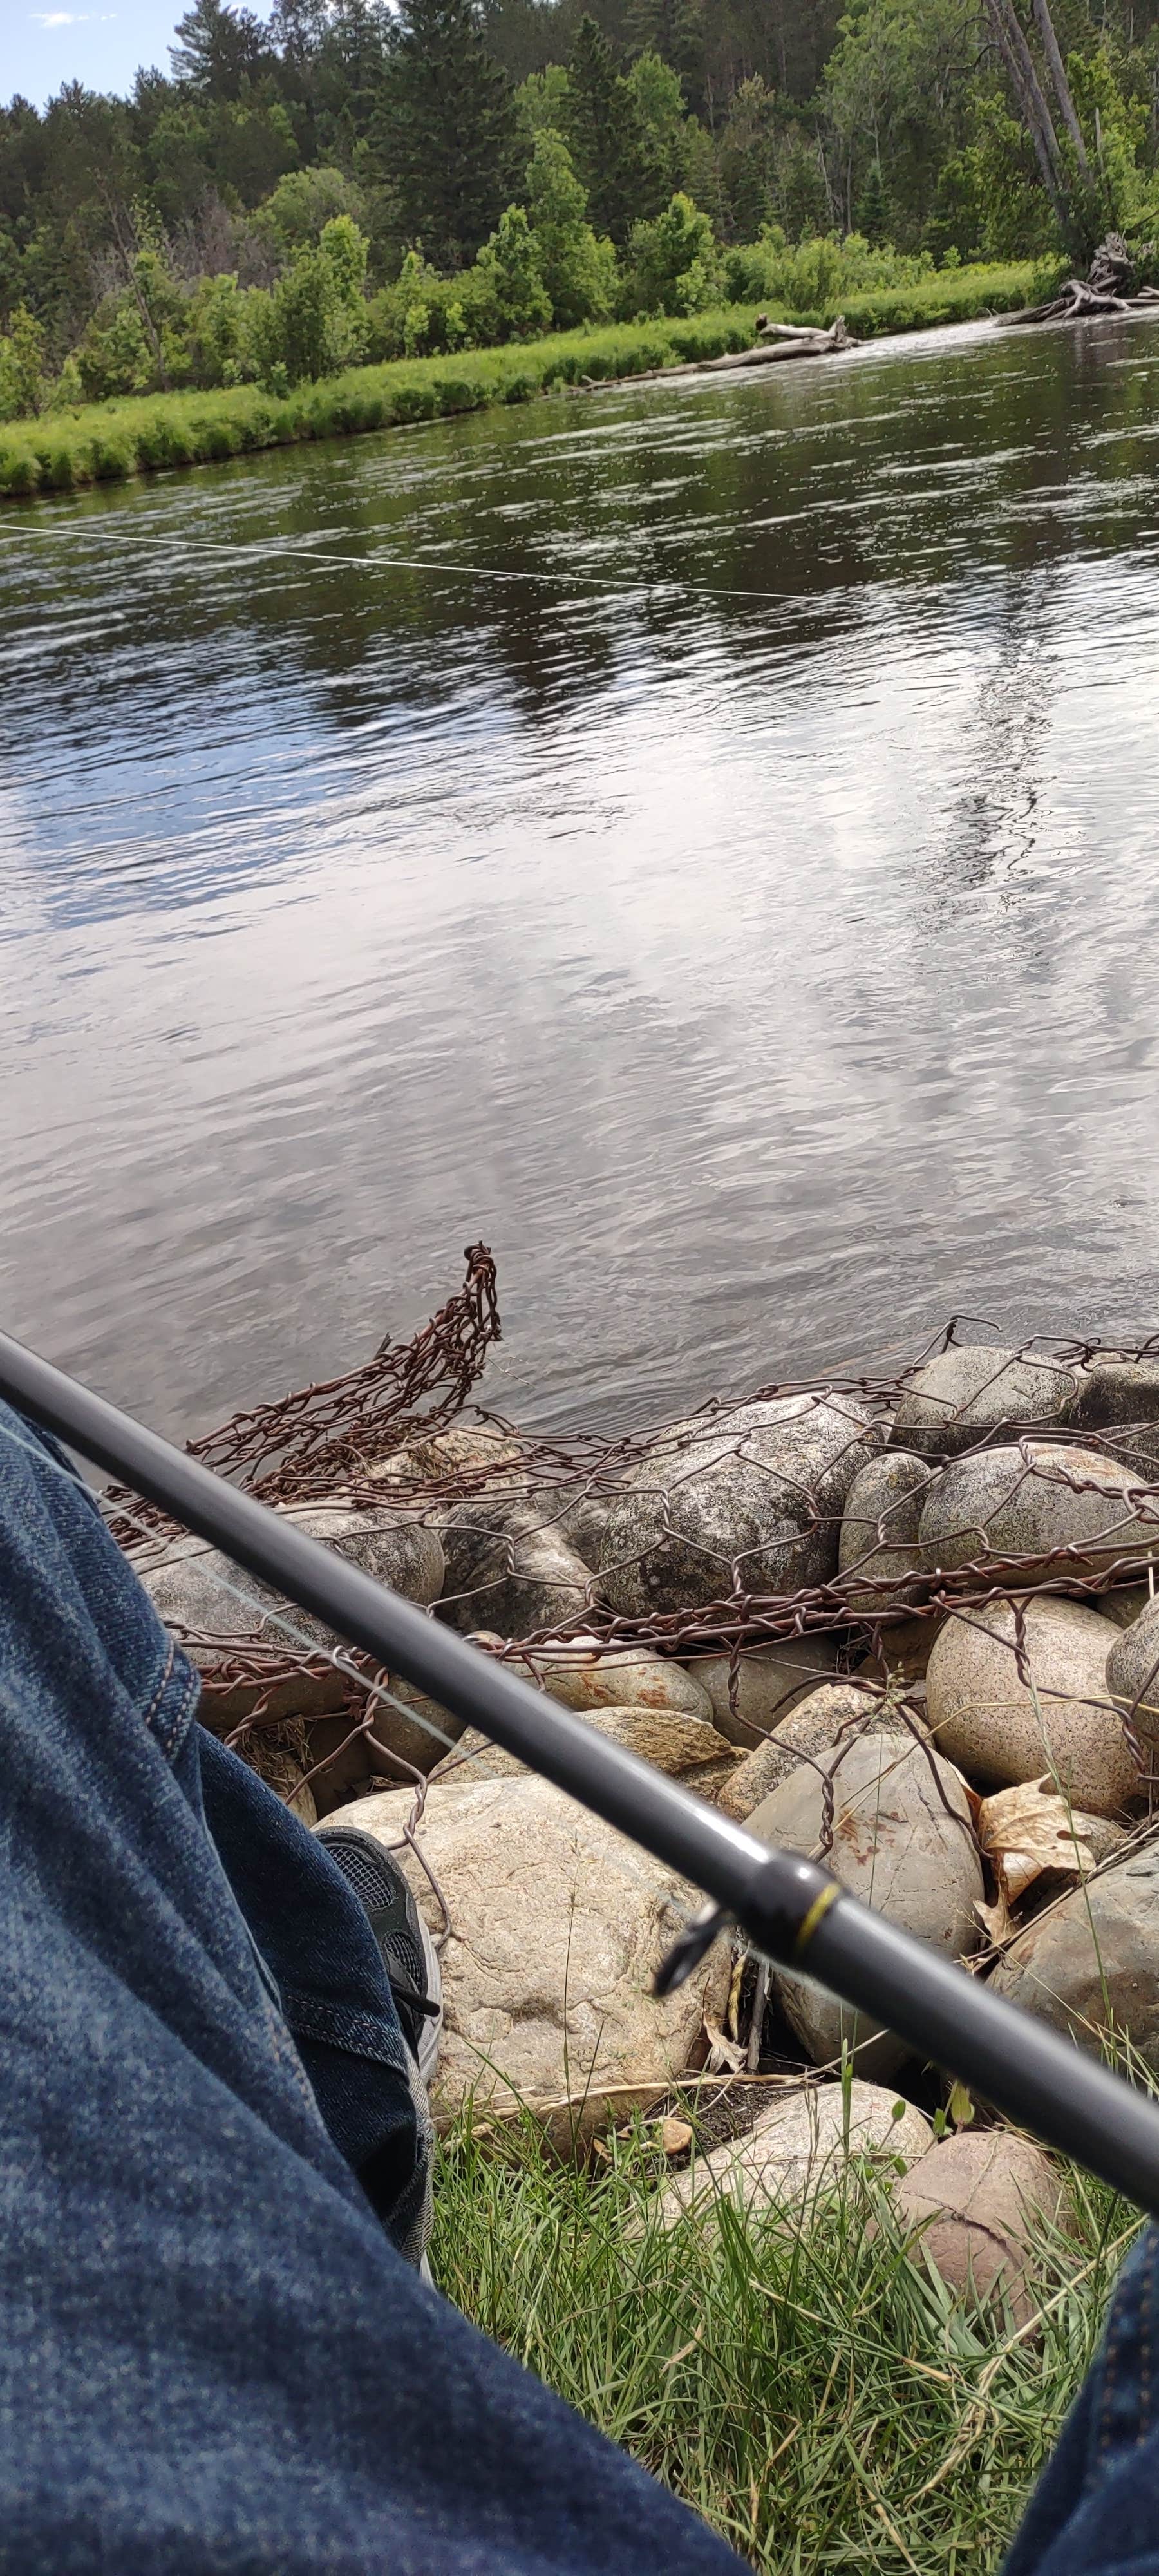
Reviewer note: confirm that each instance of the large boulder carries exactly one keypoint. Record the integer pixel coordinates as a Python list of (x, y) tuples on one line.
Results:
[(1000, 1727), (814, 1727), (200, 1592), (509, 1568), (976, 2202), (752, 1502), (558, 1924), (880, 1556), (1133, 1673), (969, 1392), (686, 1748), (903, 1841), (1091, 1965), (1038, 1512), (799, 2146), (1119, 1398), (768, 1682)]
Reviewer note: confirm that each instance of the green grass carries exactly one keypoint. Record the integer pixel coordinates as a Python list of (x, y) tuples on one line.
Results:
[(108, 442), (809, 2388)]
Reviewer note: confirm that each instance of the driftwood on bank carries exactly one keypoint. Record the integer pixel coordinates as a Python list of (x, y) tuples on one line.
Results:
[(779, 340), (1108, 289)]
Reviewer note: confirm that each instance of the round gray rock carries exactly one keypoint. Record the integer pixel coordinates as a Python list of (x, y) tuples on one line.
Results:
[(1133, 1673), (811, 1729), (976, 2202), (197, 1589), (584, 1676), (973, 1390), (1000, 1728), (767, 1684), (1089, 1966), (880, 1557), (1039, 1511), (800, 2147), (509, 1568), (558, 1926), (1120, 1399), (753, 1502), (903, 1841)]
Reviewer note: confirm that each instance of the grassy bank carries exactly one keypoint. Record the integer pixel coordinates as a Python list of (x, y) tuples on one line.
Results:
[(813, 2393), (108, 442)]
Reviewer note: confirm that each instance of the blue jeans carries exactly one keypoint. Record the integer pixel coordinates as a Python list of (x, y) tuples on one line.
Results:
[(213, 2355), (215, 2359)]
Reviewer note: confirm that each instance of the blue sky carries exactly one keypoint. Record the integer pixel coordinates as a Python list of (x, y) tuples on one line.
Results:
[(99, 42)]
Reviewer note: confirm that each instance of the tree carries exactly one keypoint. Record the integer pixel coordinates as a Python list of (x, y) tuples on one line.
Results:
[(218, 48), (509, 300), (444, 134), (871, 218), (23, 383), (315, 321), (673, 29), (674, 263), (606, 137), (665, 127), (578, 272)]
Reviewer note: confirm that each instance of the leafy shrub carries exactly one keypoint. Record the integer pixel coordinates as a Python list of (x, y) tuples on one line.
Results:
[(504, 294), (673, 265), (314, 322), (578, 271)]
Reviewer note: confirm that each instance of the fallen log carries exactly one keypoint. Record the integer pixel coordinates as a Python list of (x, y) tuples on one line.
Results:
[(790, 341), (1106, 290)]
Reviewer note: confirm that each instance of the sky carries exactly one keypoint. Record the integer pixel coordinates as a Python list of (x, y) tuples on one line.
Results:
[(88, 41)]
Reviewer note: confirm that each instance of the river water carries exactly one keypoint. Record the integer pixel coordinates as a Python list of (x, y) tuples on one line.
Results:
[(702, 839)]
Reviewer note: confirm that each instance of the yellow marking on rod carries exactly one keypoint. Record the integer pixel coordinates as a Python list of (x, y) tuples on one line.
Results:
[(816, 1914)]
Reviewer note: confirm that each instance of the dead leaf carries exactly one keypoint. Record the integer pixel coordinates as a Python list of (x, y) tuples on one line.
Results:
[(723, 2054), (674, 2136), (997, 1921), (1027, 1829)]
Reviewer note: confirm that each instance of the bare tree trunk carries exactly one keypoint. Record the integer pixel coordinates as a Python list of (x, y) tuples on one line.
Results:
[(1036, 116), (1057, 69)]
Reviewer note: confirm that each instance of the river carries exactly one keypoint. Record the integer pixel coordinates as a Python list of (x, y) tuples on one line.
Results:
[(703, 839)]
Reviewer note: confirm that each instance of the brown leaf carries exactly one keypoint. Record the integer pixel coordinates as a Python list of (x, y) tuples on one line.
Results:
[(723, 2053), (996, 1920), (674, 2135), (1027, 1829)]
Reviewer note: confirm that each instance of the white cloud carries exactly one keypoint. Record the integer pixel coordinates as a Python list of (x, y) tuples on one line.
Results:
[(58, 18)]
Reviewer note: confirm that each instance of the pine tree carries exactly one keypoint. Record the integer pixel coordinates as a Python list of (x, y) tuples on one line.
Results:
[(871, 214), (217, 48), (606, 137), (444, 132), (674, 29)]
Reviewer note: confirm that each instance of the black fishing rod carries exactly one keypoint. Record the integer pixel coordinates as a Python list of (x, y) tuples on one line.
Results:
[(790, 1908)]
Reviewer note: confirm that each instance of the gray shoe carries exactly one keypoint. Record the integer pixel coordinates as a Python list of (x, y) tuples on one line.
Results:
[(408, 1952)]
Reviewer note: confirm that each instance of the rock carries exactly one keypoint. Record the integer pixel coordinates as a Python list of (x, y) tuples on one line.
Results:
[(978, 2199), (581, 1675), (973, 1390), (1102, 1839), (768, 1683), (999, 1729), (1120, 1398), (903, 1841), (509, 1570), (879, 1555), (799, 2146), (752, 1501), (815, 1726), (1125, 1604), (1038, 1512), (194, 1587), (558, 1926), (904, 1651), (485, 1450), (1089, 1966), (580, 1516), (686, 1748), (1133, 1673)]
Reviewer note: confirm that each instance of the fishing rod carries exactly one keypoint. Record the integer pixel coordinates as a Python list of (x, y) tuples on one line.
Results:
[(792, 1910)]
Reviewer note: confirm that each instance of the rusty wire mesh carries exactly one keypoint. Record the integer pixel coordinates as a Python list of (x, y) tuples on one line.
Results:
[(718, 1535)]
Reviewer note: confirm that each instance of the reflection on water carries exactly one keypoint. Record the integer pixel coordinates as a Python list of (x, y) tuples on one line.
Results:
[(702, 840)]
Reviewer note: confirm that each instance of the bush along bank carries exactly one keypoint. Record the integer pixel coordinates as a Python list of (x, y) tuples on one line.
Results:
[(108, 442)]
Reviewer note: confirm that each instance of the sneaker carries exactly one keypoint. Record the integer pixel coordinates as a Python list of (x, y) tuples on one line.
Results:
[(408, 1952)]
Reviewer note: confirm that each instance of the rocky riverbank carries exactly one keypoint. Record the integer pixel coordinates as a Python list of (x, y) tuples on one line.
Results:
[(910, 1628)]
